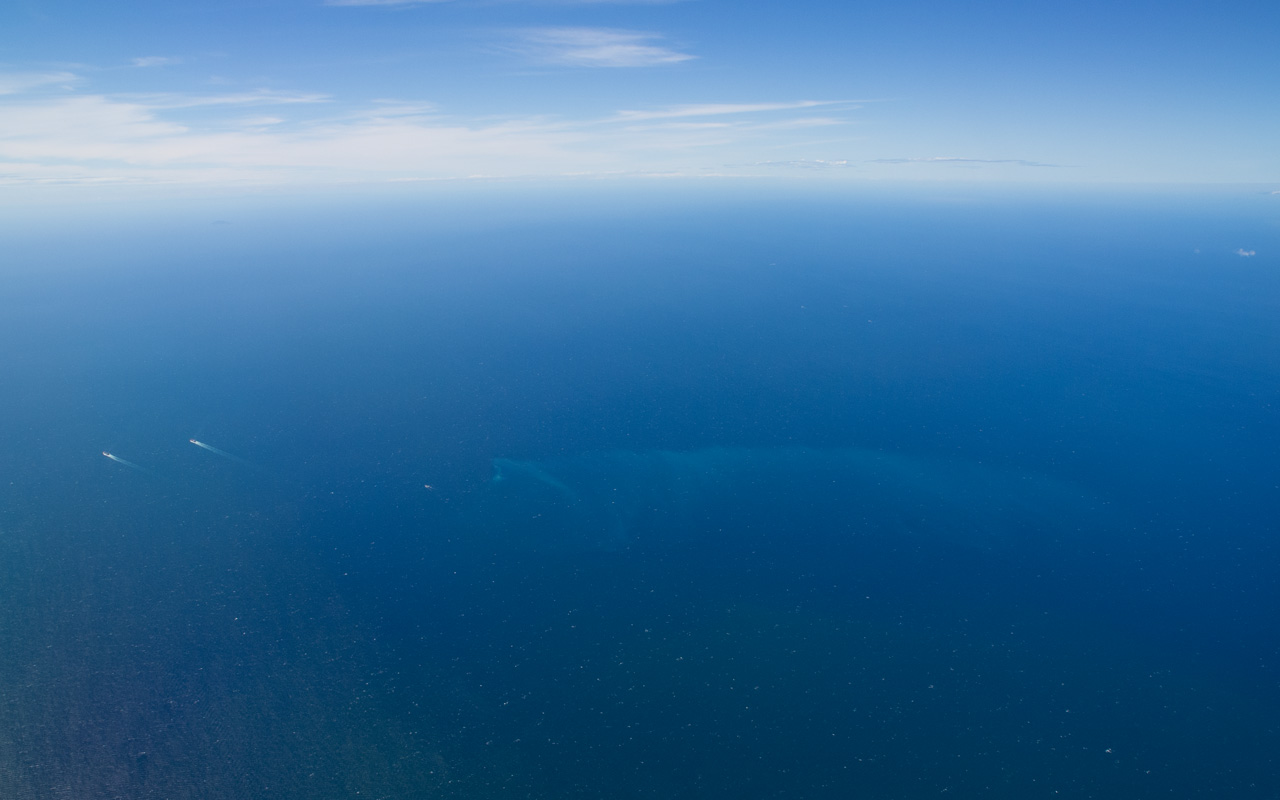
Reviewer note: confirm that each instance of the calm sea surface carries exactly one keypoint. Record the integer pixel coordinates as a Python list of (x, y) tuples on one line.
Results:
[(672, 493)]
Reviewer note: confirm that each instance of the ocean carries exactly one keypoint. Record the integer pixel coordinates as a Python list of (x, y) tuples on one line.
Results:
[(674, 490)]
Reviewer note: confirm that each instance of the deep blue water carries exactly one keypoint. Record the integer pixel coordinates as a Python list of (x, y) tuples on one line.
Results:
[(885, 494)]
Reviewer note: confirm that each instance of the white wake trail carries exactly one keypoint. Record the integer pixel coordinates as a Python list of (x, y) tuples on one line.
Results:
[(216, 451), (129, 464)]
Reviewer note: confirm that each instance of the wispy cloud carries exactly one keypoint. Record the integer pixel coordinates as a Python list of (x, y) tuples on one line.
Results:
[(260, 122), (16, 82), (597, 47), (97, 139), (953, 160), (260, 97), (805, 163), (153, 61), (716, 109), (1246, 253), (272, 137)]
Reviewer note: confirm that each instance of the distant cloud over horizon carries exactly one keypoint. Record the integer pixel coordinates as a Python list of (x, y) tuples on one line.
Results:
[(272, 137), (673, 85)]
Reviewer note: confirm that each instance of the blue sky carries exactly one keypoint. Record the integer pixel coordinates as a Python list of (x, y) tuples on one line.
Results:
[(300, 92)]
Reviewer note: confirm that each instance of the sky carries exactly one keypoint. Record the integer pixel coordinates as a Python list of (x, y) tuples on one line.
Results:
[(316, 93)]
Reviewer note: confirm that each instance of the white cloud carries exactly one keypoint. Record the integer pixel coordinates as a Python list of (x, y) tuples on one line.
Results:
[(109, 138), (714, 109), (261, 97), (260, 122), (16, 82), (1246, 253), (597, 47), (95, 138), (153, 61), (78, 127), (804, 163)]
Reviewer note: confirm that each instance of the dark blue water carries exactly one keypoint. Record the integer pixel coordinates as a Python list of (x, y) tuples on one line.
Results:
[(885, 494)]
